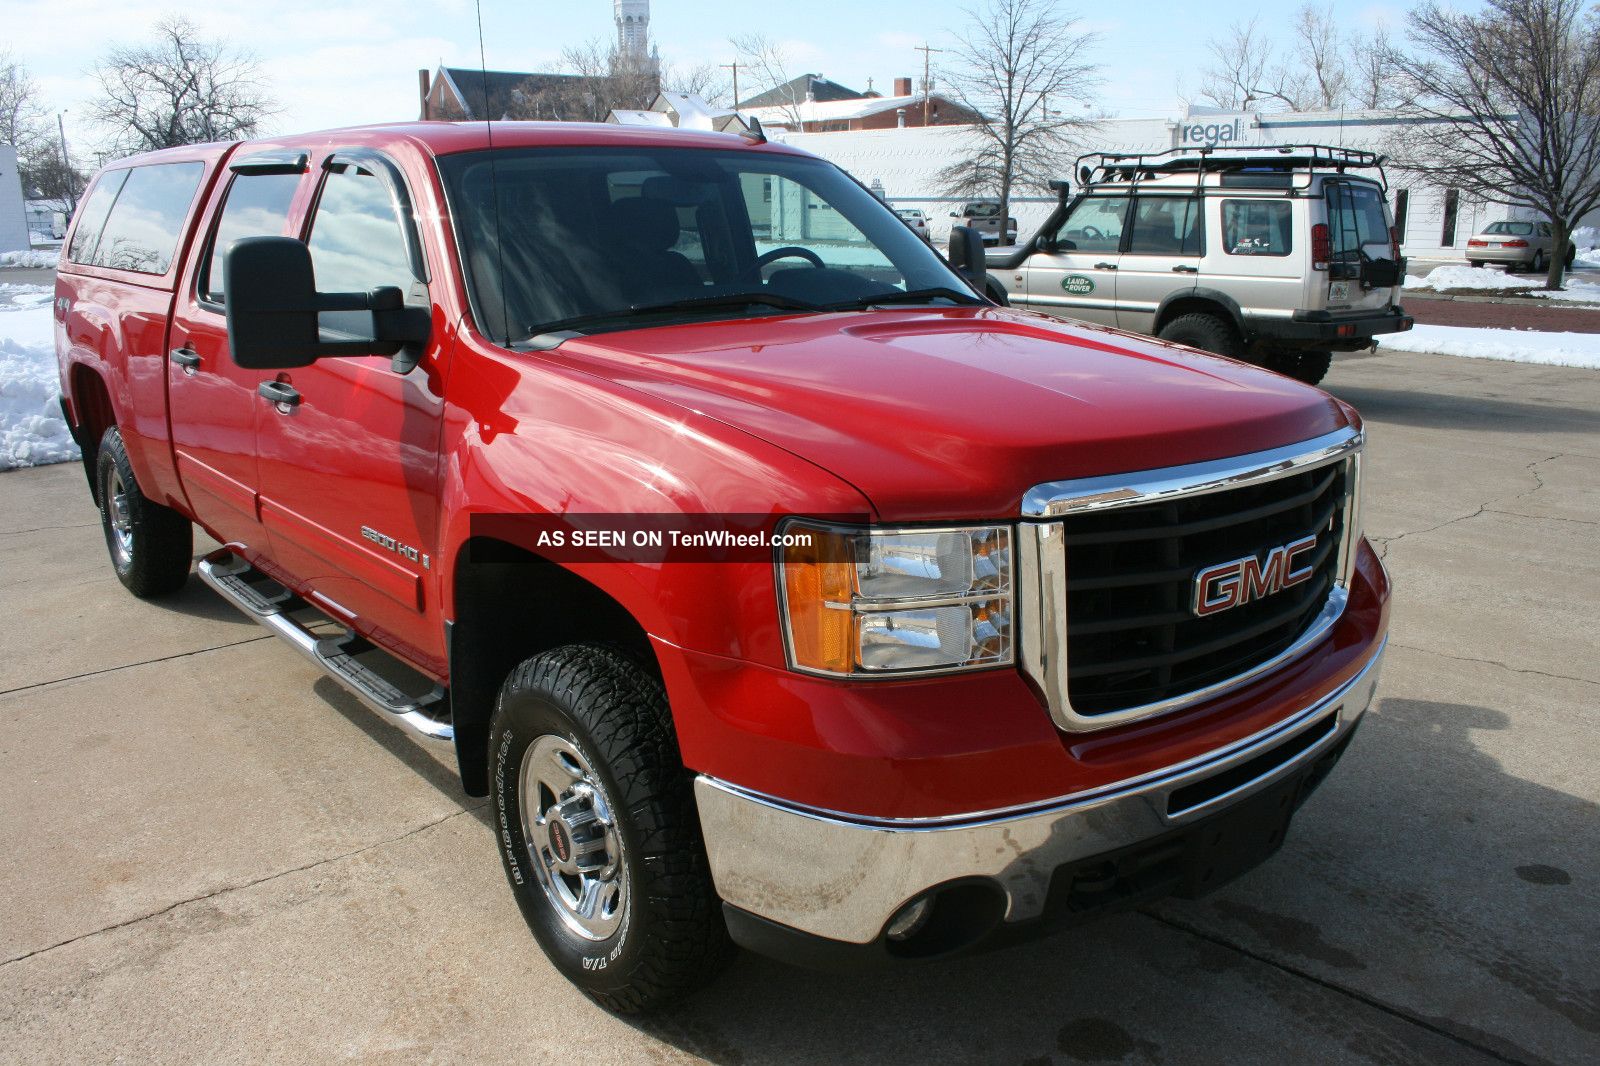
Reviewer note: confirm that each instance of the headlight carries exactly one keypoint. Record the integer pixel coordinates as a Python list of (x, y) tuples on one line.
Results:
[(869, 602)]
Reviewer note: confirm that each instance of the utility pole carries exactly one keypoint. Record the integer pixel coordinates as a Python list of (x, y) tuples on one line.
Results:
[(66, 165), (927, 82), (734, 66)]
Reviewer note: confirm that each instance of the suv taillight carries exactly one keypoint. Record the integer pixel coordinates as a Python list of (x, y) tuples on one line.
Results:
[(1321, 246)]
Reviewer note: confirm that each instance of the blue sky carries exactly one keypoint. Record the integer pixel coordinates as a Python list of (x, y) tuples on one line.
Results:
[(332, 63)]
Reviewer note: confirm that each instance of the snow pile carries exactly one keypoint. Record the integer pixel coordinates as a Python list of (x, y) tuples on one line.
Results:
[(1454, 278), (1510, 345), (1577, 291), (32, 431), (35, 260)]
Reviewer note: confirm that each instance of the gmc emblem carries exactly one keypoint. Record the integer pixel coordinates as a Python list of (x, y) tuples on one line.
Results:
[(1242, 581)]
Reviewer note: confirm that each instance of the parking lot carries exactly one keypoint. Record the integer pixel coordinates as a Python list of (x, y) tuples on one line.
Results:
[(213, 855)]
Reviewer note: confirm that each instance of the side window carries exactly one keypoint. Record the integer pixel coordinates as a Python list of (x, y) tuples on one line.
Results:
[(257, 206), (1095, 225), (1402, 201), (1165, 225), (147, 219), (357, 242), (1447, 231), (92, 216), (1256, 227)]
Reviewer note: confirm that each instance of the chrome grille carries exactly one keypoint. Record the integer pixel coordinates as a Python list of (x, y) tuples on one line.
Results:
[(1107, 570)]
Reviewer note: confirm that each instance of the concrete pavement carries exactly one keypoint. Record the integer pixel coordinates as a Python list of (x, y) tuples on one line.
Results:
[(213, 856)]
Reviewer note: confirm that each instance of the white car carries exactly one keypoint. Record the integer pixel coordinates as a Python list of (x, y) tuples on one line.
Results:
[(1278, 256), (917, 219)]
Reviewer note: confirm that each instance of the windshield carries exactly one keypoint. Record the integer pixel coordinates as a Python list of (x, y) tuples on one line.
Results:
[(599, 238), (1515, 229)]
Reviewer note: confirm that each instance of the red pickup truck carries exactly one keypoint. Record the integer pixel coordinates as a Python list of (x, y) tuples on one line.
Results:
[(779, 588)]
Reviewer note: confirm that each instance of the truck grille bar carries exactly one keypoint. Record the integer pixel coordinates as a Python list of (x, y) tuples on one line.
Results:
[(1108, 578)]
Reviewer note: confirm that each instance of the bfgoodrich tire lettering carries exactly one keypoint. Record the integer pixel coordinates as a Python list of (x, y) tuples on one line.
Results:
[(611, 716), (151, 546)]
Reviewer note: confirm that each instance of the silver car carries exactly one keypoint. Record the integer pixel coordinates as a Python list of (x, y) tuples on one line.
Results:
[(1515, 245)]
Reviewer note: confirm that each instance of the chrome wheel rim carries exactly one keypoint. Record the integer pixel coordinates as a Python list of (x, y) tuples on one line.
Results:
[(120, 533), (572, 839)]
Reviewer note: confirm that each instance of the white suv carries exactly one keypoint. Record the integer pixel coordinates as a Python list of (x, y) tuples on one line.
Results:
[(1279, 256)]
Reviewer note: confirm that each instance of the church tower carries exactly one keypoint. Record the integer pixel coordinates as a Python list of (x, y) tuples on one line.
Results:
[(633, 29)]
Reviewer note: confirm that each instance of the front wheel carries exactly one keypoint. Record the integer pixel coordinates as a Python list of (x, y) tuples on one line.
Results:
[(598, 832)]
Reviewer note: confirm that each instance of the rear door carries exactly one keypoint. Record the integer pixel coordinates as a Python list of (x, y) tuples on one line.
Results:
[(1160, 258), (1078, 278), (214, 402), (349, 472), (1359, 231), (1253, 255)]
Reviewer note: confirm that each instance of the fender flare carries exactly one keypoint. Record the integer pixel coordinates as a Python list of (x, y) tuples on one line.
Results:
[(1214, 296)]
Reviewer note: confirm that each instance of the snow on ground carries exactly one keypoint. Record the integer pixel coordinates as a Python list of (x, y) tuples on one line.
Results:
[(1451, 278), (1510, 345), (32, 431), (38, 259)]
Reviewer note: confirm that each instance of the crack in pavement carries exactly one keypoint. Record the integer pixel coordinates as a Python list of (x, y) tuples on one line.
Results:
[(130, 666), (225, 889), (1495, 662), (46, 529), (1335, 987), (1531, 468)]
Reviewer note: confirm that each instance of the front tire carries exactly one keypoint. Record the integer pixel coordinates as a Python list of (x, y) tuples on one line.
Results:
[(151, 546), (1206, 332), (598, 831)]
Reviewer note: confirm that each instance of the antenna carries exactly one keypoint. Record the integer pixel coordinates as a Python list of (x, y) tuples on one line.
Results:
[(494, 182)]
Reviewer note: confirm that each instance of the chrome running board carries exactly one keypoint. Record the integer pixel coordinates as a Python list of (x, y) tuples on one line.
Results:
[(336, 654)]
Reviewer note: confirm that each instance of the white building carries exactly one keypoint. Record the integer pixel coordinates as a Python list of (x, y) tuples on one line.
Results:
[(13, 217), (1434, 222)]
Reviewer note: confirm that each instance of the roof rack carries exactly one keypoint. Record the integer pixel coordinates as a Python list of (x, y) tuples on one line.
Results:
[(1096, 167)]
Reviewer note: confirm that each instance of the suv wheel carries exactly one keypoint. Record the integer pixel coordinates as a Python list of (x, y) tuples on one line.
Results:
[(151, 546), (1206, 332), (1309, 367), (598, 830)]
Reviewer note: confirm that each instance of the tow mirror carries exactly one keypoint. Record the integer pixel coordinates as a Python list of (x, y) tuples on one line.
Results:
[(273, 310), (966, 255)]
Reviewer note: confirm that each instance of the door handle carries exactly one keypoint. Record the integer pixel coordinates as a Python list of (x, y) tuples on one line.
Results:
[(1105, 266), (1185, 270), (279, 392), (185, 357)]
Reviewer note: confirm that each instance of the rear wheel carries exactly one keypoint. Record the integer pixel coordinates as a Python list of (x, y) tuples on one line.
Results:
[(1309, 367), (598, 830), (1539, 265), (1206, 332), (151, 546)]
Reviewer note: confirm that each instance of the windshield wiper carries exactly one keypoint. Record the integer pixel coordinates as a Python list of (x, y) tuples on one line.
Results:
[(555, 332), (912, 296)]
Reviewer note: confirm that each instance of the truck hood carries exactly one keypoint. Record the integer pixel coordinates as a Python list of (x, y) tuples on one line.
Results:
[(943, 414)]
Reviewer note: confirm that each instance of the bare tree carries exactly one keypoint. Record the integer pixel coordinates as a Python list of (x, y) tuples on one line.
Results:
[(180, 88), (1244, 68), (705, 80), (1018, 70), (22, 118), (1372, 79), (1513, 92), (599, 79), (768, 63), (1320, 50)]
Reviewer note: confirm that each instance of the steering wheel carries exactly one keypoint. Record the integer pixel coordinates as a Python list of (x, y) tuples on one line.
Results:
[(1091, 233), (788, 251)]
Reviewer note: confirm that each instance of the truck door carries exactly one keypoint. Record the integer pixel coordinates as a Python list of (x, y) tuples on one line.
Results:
[(213, 402), (1078, 278), (349, 462), (1160, 258)]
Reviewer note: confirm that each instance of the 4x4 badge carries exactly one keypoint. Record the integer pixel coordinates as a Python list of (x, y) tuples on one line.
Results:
[(1077, 284)]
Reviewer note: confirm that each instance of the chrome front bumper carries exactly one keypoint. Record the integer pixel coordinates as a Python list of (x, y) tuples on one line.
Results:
[(842, 878)]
